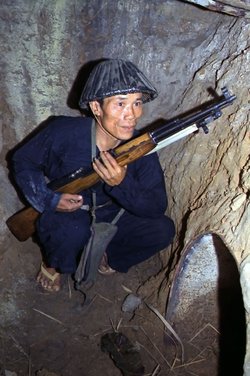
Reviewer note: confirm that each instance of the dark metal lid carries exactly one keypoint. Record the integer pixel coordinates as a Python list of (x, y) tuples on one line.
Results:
[(113, 77)]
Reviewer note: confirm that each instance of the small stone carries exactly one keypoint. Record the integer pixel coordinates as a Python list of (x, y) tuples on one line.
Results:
[(131, 302)]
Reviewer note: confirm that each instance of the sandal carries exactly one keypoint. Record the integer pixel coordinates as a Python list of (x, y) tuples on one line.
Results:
[(104, 267), (48, 283), (106, 270)]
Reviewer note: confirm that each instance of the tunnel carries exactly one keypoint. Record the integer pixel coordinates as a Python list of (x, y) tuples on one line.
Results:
[(193, 52)]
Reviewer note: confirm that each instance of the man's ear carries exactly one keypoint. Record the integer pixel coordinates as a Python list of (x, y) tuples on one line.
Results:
[(95, 107)]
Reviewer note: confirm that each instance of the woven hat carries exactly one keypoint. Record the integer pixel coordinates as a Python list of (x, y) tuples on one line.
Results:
[(113, 77)]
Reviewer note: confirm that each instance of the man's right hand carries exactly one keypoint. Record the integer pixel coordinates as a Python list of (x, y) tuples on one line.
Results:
[(69, 202)]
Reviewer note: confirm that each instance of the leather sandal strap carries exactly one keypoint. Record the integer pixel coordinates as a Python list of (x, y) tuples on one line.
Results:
[(51, 277)]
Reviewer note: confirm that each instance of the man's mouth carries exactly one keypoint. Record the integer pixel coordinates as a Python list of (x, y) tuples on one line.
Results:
[(128, 127)]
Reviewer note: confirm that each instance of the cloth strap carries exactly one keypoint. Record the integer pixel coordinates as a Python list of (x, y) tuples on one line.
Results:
[(93, 155)]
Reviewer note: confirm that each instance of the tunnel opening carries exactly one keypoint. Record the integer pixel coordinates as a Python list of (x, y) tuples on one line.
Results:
[(205, 308)]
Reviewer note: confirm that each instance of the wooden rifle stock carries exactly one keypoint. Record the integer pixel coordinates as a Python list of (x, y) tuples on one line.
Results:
[(22, 223)]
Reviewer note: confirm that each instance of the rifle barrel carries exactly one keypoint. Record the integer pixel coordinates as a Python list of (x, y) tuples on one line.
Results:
[(200, 118)]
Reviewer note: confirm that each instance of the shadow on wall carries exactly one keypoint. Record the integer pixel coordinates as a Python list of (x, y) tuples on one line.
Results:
[(205, 307), (79, 83), (231, 313), (72, 102)]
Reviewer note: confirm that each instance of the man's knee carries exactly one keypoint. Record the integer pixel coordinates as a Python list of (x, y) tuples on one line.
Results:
[(70, 230), (166, 231)]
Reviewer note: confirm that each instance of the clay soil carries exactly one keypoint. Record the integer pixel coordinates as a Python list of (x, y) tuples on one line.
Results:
[(55, 334), (50, 334)]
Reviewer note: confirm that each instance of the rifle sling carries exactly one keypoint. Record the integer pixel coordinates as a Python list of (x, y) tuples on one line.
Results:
[(94, 206)]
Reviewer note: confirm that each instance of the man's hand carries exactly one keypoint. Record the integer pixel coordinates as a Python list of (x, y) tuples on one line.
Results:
[(69, 202), (109, 170)]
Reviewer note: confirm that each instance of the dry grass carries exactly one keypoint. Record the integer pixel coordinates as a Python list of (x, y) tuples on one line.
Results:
[(48, 316)]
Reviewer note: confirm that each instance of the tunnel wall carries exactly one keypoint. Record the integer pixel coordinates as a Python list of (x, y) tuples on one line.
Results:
[(184, 50)]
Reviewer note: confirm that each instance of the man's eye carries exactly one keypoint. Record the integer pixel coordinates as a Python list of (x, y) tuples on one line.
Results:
[(138, 104)]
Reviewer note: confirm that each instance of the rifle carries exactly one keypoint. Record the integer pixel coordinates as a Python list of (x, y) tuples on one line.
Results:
[(22, 223)]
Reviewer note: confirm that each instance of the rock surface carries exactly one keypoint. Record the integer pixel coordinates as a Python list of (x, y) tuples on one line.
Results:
[(184, 50)]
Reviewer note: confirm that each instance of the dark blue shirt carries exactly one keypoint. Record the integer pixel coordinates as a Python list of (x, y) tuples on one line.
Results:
[(64, 146)]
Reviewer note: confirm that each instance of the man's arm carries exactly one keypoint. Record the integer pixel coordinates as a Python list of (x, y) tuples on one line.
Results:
[(142, 191)]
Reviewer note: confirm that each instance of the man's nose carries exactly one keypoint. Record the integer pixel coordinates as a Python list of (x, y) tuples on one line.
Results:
[(130, 112)]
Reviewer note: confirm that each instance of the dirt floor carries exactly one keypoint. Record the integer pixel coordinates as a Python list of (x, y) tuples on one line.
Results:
[(49, 334), (55, 334)]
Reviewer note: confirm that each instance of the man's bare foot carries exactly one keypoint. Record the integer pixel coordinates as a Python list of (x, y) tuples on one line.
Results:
[(49, 279)]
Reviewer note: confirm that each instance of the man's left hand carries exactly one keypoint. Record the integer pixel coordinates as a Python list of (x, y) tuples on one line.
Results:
[(108, 169)]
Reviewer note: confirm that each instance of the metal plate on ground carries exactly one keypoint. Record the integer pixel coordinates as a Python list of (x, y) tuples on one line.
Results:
[(205, 306)]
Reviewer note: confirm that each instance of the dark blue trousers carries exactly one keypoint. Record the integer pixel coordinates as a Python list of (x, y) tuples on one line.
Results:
[(64, 235)]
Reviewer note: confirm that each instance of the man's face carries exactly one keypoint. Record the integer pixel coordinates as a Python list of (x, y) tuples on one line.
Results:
[(118, 115)]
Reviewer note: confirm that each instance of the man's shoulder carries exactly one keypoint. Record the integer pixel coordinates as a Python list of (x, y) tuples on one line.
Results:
[(67, 121), (64, 125)]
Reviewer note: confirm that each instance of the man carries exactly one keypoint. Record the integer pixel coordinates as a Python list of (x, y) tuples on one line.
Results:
[(115, 93)]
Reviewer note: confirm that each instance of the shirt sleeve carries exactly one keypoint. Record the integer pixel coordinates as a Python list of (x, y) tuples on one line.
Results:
[(142, 191), (29, 168)]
